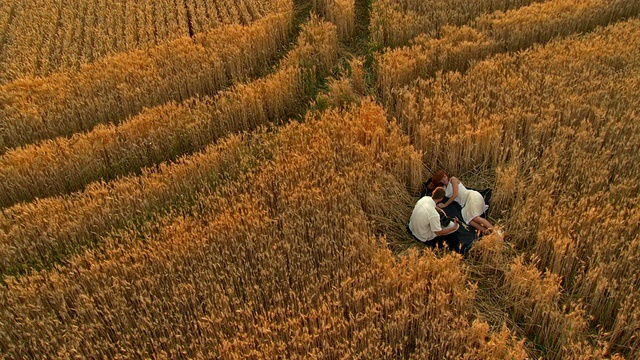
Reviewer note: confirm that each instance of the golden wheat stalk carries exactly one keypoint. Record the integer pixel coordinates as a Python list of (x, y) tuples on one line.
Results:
[(112, 89), (42, 38)]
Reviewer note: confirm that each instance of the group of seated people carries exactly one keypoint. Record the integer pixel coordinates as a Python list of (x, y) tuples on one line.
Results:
[(446, 211)]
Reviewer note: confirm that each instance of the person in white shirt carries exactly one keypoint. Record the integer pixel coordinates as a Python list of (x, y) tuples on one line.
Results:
[(425, 219)]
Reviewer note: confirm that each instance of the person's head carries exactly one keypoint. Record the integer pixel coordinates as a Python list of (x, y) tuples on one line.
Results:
[(439, 178), (438, 194)]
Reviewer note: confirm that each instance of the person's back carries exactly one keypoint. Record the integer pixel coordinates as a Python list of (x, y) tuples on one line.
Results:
[(425, 220)]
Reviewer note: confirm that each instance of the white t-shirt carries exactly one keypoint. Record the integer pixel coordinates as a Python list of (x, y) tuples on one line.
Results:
[(425, 220)]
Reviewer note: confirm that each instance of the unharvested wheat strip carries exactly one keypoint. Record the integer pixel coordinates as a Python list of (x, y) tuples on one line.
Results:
[(83, 37), (208, 16), (115, 24), (394, 23), (223, 12), (181, 19), (117, 87), (486, 130), (151, 26), (591, 236), (194, 16), (339, 12), (252, 10), (138, 27), (534, 299), (31, 23), (28, 37), (232, 8), (64, 165), (99, 38), (212, 12), (539, 23), (52, 43), (297, 257), (76, 220), (8, 11), (243, 109), (495, 33), (159, 19), (174, 169), (145, 29), (131, 26), (70, 38), (243, 13)]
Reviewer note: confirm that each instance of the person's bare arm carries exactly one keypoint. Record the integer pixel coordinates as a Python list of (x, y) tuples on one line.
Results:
[(454, 186), (447, 231)]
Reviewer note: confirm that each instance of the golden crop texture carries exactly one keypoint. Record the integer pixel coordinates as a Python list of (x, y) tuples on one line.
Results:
[(395, 22), (42, 233), (458, 47), (339, 12), (165, 132), (232, 179), (232, 278), (114, 88), (558, 126), (39, 37)]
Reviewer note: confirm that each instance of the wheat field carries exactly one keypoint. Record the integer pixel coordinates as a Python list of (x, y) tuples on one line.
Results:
[(231, 179)]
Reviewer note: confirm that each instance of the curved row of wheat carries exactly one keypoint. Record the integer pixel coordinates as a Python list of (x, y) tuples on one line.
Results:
[(162, 133), (36, 234), (495, 33), (559, 126), (395, 22), (342, 13), (114, 88), (279, 263), (513, 287), (38, 38)]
